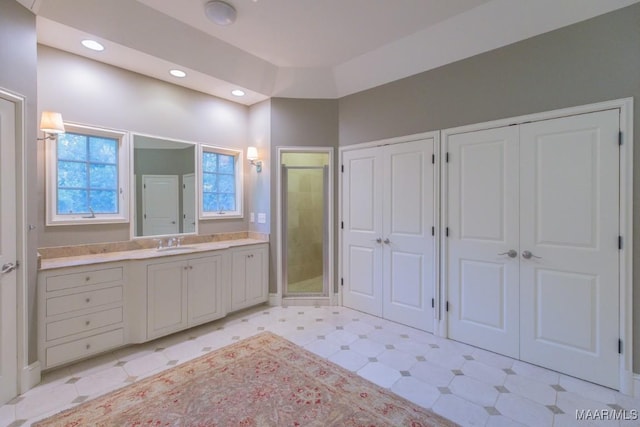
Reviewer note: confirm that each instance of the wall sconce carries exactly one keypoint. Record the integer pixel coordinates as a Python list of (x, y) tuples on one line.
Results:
[(51, 124), (252, 156)]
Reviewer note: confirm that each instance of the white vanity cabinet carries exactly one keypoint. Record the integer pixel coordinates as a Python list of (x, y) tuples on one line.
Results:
[(249, 276), (80, 312), (90, 309), (183, 293)]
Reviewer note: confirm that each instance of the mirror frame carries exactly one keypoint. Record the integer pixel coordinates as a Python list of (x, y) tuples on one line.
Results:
[(132, 185)]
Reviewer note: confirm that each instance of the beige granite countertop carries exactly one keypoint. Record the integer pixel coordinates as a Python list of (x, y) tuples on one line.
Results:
[(139, 254)]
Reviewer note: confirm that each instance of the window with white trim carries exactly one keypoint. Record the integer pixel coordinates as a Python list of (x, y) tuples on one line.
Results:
[(220, 183), (87, 178)]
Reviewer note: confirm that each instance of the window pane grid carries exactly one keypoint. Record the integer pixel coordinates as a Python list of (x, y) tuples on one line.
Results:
[(87, 168), (219, 182)]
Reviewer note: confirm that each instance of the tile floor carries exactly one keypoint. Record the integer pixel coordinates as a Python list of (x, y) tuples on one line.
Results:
[(468, 385)]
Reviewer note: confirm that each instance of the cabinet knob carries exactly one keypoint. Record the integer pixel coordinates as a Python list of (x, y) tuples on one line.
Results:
[(87, 300), (86, 279), (88, 346), (87, 323)]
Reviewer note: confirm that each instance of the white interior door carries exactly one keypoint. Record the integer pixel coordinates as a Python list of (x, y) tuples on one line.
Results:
[(8, 319), (482, 273), (188, 203), (409, 251), (160, 204), (362, 235), (569, 198)]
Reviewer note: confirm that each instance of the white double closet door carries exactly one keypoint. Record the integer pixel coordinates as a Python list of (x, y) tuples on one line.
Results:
[(531, 259), (388, 250)]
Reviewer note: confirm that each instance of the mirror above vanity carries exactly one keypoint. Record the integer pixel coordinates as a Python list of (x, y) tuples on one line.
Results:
[(164, 186)]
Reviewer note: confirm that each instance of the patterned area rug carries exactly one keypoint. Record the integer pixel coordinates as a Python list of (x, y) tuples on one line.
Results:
[(264, 380)]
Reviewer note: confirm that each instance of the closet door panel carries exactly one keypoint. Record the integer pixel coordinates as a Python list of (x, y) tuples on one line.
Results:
[(569, 223), (409, 247), (482, 206), (362, 217)]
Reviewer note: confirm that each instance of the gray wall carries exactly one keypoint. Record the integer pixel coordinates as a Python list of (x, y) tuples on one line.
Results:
[(18, 57), (592, 61), (306, 123), (93, 93), (258, 184)]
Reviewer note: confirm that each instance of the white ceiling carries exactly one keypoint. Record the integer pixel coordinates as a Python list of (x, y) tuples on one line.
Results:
[(299, 48)]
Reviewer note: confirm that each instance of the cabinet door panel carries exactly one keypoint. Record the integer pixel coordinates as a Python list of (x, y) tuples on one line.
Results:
[(249, 273), (205, 299), (166, 298)]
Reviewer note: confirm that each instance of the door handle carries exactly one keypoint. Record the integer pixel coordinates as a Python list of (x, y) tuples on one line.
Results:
[(8, 267), (379, 240), (529, 255), (387, 241), (512, 253)]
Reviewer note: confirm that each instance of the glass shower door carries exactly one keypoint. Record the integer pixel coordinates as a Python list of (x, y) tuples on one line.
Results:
[(305, 230)]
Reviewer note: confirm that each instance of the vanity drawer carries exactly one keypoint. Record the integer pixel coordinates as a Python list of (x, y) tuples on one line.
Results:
[(91, 321), (84, 347), (93, 277), (82, 300)]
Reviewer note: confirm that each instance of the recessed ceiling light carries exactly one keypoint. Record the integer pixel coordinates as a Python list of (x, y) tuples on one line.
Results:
[(93, 45), (237, 92), (178, 73)]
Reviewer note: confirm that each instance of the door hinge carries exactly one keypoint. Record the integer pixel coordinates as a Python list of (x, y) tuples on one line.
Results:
[(620, 138), (184, 186), (433, 303), (447, 157), (145, 216), (433, 231), (447, 306), (433, 159), (619, 346), (341, 281), (144, 186), (341, 168), (620, 242), (342, 225), (446, 232)]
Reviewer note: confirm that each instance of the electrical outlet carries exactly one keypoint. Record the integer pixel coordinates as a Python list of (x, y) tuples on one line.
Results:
[(262, 218)]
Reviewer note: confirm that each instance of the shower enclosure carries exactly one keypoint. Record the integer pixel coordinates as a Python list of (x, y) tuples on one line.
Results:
[(305, 178)]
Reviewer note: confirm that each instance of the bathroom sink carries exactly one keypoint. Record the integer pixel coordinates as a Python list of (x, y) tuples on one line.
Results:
[(174, 248)]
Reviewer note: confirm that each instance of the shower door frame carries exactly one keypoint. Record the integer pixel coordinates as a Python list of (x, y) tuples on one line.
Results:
[(280, 240)]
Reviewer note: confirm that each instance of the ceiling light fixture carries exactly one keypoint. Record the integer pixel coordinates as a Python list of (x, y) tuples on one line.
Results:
[(237, 92), (220, 12), (178, 73), (93, 45)]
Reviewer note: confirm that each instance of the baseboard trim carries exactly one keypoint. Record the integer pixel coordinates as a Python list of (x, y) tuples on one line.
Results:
[(275, 300), (307, 301), (30, 376)]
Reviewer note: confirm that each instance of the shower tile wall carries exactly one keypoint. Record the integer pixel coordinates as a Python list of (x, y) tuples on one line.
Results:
[(304, 226)]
